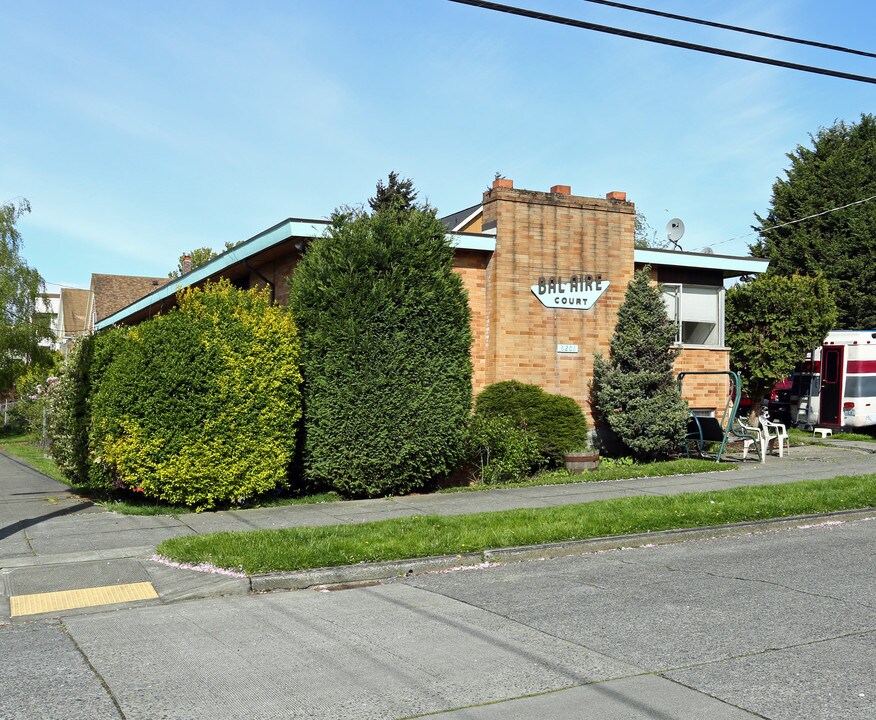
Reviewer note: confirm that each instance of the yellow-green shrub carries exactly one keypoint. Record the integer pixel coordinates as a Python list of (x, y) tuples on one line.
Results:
[(200, 406)]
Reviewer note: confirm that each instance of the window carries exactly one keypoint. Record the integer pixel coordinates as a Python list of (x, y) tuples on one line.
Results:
[(698, 311)]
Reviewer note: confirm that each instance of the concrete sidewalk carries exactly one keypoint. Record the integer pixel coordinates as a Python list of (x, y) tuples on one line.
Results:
[(52, 541)]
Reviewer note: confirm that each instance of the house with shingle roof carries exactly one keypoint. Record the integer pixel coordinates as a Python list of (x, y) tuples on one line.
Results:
[(109, 294)]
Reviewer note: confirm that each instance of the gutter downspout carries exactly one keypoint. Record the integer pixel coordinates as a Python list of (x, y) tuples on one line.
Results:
[(267, 282)]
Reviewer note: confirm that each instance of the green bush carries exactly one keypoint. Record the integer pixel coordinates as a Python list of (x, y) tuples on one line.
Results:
[(385, 335), (500, 451), (556, 420), (69, 416), (198, 407)]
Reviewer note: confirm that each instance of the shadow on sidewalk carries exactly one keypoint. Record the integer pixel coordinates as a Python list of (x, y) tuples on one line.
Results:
[(24, 524)]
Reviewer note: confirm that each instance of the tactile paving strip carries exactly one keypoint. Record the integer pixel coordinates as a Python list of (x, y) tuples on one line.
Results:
[(36, 603)]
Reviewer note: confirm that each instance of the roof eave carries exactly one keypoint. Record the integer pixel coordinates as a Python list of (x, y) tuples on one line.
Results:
[(730, 265)]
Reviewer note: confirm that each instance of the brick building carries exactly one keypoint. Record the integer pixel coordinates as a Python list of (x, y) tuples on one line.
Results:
[(546, 273)]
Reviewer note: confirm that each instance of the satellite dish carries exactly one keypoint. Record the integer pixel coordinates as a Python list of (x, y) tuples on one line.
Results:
[(675, 231), (708, 251)]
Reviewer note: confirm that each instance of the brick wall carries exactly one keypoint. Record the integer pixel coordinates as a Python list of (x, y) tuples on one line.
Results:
[(552, 234), (473, 266), (708, 392)]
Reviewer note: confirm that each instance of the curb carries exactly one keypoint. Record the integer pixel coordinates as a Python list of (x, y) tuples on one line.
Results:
[(353, 575)]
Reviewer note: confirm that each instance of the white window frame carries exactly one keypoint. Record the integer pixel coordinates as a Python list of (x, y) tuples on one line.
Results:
[(679, 311)]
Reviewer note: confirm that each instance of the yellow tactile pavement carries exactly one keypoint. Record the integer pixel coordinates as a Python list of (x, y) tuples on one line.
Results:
[(85, 597)]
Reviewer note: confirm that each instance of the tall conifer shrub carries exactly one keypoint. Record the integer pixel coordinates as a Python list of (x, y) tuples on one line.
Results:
[(634, 391), (385, 334)]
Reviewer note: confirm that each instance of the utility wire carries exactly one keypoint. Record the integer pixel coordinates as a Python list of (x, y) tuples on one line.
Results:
[(734, 28), (561, 20), (760, 231)]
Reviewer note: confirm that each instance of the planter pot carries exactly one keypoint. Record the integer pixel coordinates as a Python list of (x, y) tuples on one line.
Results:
[(579, 462)]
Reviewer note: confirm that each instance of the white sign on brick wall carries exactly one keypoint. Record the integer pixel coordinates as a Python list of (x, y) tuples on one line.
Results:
[(579, 292)]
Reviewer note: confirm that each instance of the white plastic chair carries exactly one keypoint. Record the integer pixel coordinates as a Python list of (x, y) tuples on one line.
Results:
[(773, 431), (756, 436)]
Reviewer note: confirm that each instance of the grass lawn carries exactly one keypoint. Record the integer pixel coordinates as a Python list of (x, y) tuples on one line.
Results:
[(683, 466), (24, 447), (423, 536), (807, 438)]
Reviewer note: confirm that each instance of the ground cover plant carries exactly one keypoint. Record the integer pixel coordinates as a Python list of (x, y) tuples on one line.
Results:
[(424, 536)]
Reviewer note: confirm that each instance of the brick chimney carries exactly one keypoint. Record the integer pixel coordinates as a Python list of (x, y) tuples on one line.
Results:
[(186, 264), (503, 183), (561, 190), (616, 196)]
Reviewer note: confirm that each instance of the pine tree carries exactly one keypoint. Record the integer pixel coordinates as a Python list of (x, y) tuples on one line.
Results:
[(634, 391), (397, 194)]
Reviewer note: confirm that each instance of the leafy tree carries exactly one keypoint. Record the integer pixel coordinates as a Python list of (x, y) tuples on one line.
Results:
[(771, 323), (634, 391), (384, 324), (838, 169), (397, 193), (22, 321), (645, 236), (198, 257)]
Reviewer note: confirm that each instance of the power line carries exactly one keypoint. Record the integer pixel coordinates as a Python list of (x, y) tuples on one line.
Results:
[(561, 20), (760, 231), (734, 28)]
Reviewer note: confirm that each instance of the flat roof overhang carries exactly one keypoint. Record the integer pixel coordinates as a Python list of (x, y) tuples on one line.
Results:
[(729, 265), (275, 242)]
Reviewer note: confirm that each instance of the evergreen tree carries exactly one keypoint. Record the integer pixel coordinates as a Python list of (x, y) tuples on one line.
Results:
[(397, 193), (634, 391), (839, 168), (384, 325)]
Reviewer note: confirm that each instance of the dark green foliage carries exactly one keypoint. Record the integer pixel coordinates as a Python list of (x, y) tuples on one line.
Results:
[(556, 420), (501, 451), (69, 417), (772, 322), (839, 168), (384, 325), (634, 391), (396, 194), (198, 407)]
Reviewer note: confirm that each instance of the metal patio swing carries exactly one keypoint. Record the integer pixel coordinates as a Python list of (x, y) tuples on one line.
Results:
[(729, 429)]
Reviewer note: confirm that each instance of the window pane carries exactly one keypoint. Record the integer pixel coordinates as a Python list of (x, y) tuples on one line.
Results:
[(670, 300), (698, 333), (700, 315)]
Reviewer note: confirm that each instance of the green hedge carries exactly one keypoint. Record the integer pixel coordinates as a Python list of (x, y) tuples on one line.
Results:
[(556, 420), (385, 335), (69, 417), (198, 407)]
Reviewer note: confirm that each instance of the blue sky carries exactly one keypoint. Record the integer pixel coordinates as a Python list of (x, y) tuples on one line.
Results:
[(141, 130)]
